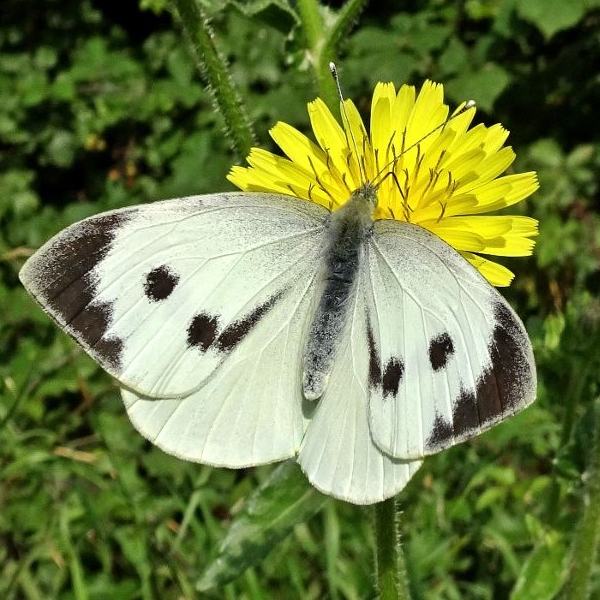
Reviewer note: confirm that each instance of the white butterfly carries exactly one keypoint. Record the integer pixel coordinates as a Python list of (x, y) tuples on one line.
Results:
[(247, 328)]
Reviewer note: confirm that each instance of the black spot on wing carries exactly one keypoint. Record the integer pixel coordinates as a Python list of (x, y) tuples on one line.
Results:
[(500, 389), (67, 285), (392, 376), (374, 360), (160, 283), (441, 350), (238, 330), (202, 331), (388, 380)]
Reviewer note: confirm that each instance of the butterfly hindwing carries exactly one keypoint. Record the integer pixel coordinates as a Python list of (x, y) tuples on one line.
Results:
[(160, 294), (449, 358), (338, 453)]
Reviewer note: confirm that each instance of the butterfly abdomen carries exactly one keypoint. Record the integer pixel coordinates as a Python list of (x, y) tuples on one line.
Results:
[(348, 228)]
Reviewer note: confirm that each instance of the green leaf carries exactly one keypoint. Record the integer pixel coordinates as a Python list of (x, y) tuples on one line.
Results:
[(61, 149), (542, 574), (63, 87), (547, 152), (278, 14), (554, 326), (454, 58), (550, 16), (483, 85), (284, 500)]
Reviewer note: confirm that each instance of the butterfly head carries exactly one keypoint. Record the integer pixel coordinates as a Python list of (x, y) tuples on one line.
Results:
[(365, 197)]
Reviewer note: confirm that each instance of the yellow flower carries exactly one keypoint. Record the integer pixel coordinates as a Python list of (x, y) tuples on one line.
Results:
[(445, 175)]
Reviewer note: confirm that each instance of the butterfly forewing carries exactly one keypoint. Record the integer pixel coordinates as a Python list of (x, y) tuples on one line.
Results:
[(249, 411), (448, 356), (160, 294)]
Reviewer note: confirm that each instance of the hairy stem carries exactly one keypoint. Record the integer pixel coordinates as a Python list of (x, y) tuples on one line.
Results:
[(213, 68), (340, 29), (323, 40), (585, 541), (390, 569), (314, 35)]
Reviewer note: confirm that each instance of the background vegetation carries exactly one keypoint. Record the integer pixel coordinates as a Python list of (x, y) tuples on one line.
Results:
[(101, 106)]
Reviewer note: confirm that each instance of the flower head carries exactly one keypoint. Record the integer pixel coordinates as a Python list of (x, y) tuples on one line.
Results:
[(428, 168)]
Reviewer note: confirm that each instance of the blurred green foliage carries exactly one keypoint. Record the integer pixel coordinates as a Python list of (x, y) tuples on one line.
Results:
[(101, 106)]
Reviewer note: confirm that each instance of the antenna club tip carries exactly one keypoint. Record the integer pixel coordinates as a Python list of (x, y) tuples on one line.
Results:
[(469, 104), (332, 67)]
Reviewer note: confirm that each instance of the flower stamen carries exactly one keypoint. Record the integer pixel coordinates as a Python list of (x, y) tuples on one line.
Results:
[(443, 205)]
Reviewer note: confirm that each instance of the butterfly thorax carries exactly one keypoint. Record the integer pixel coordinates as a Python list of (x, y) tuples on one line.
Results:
[(348, 228)]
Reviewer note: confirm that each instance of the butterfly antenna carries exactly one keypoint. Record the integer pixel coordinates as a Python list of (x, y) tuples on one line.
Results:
[(347, 128), (467, 105)]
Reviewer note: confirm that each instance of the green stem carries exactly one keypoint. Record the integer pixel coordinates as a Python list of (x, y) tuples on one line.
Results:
[(323, 41), (340, 29), (587, 534), (213, 68), (78, 586), (389, 560), (574, 395), (314, 34)]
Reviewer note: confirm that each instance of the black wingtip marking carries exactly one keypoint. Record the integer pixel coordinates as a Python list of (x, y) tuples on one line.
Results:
[(67, 286), (502, 388), (499, 391), (441, 349), (160, 283), (442, 431), (465, 415), (510, 360)]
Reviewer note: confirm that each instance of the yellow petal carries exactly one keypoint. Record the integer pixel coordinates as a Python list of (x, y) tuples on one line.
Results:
[(330, 136), (359, 146), (496, 274), (500, 235), (298, 148), (460, 239), (381, 117), (500, 192), (429, 112)]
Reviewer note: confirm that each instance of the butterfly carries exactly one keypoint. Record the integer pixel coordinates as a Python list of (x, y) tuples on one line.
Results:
[(247, 328)]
